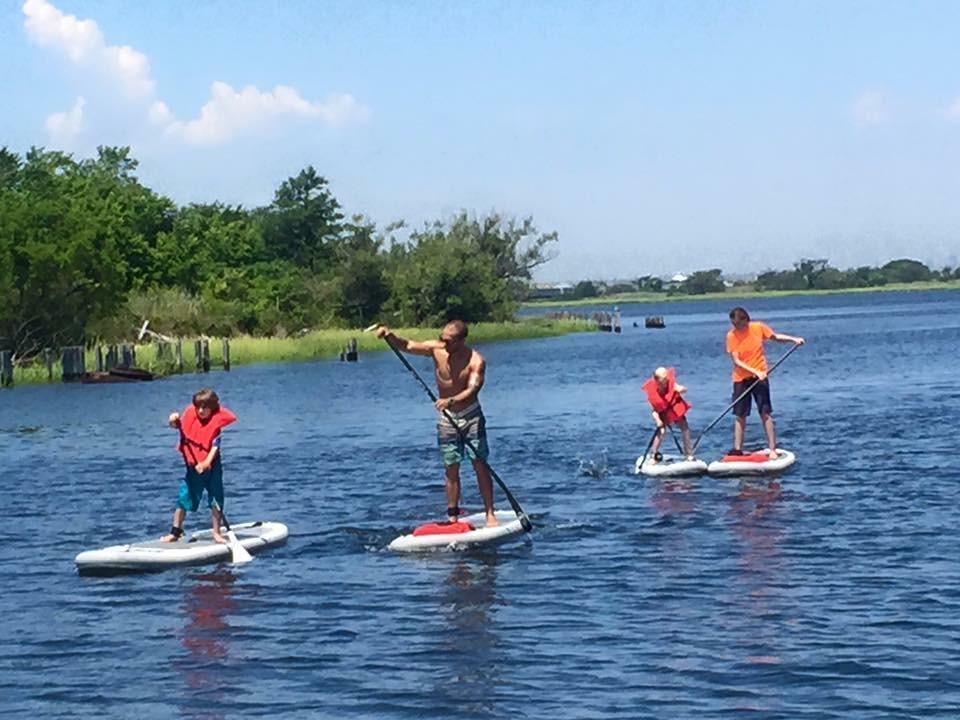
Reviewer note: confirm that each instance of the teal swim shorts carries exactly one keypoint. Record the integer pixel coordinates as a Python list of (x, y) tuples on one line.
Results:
[(194, 484)]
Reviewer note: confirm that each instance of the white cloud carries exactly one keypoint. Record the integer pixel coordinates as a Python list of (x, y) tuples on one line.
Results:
[(953, 112), (870, 108), (229, 113), (62, 127), (226, 115), (84, 45)]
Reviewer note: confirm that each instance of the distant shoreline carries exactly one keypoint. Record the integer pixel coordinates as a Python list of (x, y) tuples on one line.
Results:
[(737, 294), (316, 345)]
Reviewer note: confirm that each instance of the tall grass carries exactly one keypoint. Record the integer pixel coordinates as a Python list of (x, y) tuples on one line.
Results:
[(245, 350)]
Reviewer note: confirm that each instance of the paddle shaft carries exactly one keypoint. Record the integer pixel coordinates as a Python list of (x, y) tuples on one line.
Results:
[(643, 458), (739, 398), (524, 520)]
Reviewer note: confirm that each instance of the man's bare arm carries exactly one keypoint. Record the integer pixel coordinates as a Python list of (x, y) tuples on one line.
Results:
[(413, 347)]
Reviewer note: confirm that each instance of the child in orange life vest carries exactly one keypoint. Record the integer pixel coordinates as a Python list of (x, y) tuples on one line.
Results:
[(199, 444), (665, 395)]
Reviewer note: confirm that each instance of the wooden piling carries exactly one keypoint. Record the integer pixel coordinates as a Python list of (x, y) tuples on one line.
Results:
[(127, 356), (112, 359), (351, 351), (100, 367), (178, 355), (6, 368), (48, 361), (226, 354), (73, 363)]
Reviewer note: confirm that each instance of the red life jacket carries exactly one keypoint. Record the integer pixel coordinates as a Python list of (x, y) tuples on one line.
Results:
[(196, 436), (671, 406)]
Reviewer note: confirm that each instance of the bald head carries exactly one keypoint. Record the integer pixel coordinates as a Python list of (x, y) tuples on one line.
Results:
[(660, 374)]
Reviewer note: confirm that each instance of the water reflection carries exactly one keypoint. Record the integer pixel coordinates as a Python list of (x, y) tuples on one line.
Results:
[(207, 604), (674, 497), (759, 584), (471, 643)]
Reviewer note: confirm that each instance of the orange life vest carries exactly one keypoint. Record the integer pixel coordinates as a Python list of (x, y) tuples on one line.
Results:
[(197, 436), (670, 406)]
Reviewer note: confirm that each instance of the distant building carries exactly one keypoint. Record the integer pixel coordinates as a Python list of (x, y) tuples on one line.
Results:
[(678, 278), (549, 291)]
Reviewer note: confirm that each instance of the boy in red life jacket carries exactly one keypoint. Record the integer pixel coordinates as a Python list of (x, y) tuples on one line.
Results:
[(665, 395), (199, 444)]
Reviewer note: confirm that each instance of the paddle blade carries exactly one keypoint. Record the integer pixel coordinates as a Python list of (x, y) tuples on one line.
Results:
[(372, 327), (237, 550), (525, 522)]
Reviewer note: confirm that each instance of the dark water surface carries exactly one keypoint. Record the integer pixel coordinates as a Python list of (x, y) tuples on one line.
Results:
[(833, 593)]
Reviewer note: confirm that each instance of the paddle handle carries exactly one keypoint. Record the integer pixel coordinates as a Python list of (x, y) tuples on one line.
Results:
[(524, 520), (739, 398)]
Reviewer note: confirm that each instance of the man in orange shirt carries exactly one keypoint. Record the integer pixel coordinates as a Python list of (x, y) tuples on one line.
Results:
[(745, 345)]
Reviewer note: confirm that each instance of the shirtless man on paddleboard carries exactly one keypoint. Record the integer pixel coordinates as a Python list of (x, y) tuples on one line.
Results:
[(459, 371)]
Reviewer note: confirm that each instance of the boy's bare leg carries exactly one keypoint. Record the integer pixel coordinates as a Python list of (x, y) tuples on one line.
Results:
[(216, 521), (770, 428), (178, 517), (655, 445), (685, 433), (485, 483), (739, 426)]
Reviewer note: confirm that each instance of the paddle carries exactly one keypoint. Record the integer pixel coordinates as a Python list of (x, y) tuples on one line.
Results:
[(237, 550), (646, 452), (524, 520), (739, 398)]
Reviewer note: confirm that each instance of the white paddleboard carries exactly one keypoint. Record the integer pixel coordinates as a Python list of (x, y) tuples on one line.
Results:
[(198, 549), (755, 463), (669, 466), (469, 531)]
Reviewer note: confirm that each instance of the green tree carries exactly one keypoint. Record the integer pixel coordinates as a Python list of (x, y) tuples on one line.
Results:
[(703, 281), (304, 222), (905, 271)]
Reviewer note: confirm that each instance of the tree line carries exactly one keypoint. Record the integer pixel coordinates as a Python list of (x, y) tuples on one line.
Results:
[(806, 274), (87, 252)]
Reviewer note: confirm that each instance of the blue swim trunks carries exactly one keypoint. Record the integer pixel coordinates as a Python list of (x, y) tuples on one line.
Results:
[(473, 425), (194, 484)]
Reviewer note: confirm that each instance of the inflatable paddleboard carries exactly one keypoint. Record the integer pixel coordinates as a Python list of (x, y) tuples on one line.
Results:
[(199, 549), (468, 531), (754, 463), (670, 466)]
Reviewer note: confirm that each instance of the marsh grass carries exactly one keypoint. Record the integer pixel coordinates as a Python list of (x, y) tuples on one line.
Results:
[(317, 344)]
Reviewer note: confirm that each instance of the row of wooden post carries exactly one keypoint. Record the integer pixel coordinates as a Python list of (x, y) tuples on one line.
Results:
[(74, 367)]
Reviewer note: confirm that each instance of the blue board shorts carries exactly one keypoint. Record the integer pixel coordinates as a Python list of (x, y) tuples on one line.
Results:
[(473, 425), (194, 484)]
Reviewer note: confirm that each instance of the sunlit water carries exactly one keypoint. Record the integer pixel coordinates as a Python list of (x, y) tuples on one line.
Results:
[(831, 593)]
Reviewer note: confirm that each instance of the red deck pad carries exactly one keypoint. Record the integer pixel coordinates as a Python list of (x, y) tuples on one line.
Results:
[(448, 528), (751, 458)]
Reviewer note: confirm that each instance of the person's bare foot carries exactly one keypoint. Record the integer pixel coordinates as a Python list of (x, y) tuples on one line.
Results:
[(492, 520), (170, 537), (218, 538), (773, 454)]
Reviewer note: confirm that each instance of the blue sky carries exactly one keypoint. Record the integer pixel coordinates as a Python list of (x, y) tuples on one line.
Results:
[(655, 137)]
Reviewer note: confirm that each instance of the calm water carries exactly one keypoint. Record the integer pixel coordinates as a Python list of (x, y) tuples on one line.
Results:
[(833, 593)]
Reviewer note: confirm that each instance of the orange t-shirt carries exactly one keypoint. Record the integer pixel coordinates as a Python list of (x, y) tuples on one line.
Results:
[(748, 345)]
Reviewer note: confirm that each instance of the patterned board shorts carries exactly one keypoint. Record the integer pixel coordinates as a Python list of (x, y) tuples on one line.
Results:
[(473, 425)]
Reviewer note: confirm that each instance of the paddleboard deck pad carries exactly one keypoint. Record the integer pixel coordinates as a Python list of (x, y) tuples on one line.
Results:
[(198, 549), (468, 531), (753, 463), (669, 466)]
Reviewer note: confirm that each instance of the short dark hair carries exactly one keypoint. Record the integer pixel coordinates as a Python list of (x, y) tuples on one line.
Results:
[(741, 312), (206, 398), (461, 328)]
